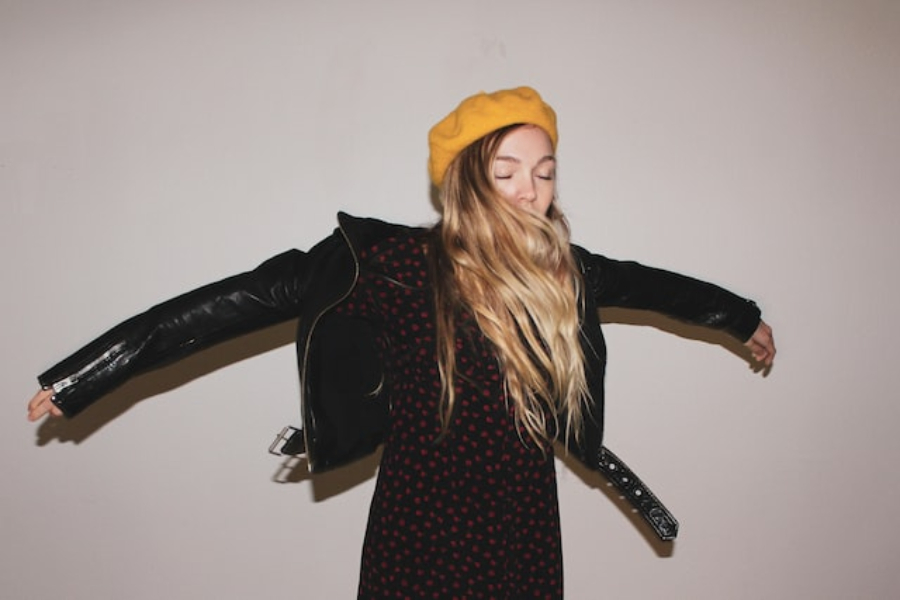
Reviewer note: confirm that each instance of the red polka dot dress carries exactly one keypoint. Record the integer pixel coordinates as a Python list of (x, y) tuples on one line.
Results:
[(475, 514)]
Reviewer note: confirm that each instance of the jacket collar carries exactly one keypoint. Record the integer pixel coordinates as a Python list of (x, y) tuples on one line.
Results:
[(363, 232)]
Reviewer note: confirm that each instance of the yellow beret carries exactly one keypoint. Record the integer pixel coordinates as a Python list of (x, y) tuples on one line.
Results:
[(479, 115)]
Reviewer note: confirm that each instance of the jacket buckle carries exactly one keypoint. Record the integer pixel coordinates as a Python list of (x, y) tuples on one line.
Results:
[(288, 442)]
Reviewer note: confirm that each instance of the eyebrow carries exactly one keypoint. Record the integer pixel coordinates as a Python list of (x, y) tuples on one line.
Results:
[(549, 157)]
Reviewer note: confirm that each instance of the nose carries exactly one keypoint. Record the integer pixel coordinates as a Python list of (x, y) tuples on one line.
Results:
[(527, 190)]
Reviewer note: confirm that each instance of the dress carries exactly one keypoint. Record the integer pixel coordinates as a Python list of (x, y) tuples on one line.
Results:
[(476, 514)]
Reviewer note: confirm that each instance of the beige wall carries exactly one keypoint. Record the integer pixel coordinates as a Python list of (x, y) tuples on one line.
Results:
[(148, 147)]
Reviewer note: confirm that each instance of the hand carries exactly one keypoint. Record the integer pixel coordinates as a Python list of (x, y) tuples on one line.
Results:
[(762, 344), (42, 405)]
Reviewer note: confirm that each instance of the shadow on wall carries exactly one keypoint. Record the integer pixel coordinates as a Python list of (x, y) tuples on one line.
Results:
[(642, 318), (333, 482)]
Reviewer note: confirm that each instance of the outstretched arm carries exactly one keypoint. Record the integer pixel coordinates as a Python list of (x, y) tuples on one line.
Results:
[(170, 331), (632, 285)]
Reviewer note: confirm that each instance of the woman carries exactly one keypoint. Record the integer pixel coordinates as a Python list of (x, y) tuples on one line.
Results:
[(474, 345)]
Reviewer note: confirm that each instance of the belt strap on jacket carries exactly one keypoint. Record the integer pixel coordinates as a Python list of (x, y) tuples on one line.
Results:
[(638, 495), (290, 443)]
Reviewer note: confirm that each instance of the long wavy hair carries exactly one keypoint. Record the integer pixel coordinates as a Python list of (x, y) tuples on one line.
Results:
[(514, 273)]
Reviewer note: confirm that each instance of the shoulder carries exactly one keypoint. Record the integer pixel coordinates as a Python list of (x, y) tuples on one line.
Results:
[(582, 255), (365, 232), (355, 235), (589, 264)]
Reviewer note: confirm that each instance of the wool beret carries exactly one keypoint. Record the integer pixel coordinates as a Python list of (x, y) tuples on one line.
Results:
[(479, 115)]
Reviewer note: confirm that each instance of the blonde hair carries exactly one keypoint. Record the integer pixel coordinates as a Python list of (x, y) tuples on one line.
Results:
[(514, 272)]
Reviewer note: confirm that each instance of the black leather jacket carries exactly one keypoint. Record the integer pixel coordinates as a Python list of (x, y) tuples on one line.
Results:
[(344, 412)]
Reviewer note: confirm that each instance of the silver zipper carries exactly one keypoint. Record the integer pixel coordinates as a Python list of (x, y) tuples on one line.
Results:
[(313, 326), (72, 379)]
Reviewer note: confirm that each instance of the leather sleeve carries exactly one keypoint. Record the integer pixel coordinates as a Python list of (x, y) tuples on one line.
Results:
[(629, 284), (269, 294)]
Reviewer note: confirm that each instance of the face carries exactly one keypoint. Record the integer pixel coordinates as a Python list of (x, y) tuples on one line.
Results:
[(524, 169)]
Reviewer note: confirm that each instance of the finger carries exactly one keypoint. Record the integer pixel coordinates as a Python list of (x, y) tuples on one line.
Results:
[(36, 413), (762, 344), (755, 347), (38, 398), (41, 405), (769, 346), (766, 355), (760, 352), (769, 338)]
